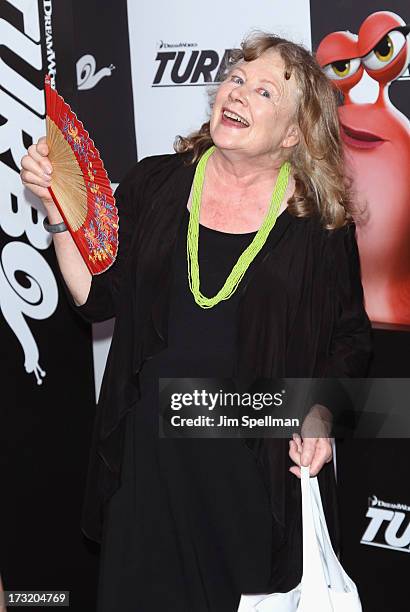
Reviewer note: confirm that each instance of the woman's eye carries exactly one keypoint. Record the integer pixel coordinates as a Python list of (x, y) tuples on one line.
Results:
[(265, 93), (237, 79)]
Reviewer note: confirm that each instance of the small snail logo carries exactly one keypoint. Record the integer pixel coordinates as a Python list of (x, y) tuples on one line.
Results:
[(87, 77)]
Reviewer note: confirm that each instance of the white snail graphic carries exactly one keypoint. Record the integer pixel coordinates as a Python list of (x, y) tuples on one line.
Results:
[(87, 77), (32, 295)]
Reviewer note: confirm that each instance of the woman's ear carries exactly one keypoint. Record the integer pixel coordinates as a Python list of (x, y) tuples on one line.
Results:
[(292, 136)]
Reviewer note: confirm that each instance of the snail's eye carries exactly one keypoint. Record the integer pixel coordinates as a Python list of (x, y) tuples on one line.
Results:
[(342, 68), (385, 51)]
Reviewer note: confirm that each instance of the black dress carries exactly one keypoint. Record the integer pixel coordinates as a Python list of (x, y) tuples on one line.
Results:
[(190, 528), (300, 314)]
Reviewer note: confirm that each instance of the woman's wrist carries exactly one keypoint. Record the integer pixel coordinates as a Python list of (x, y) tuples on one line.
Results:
[(318, 422), (52, 212)]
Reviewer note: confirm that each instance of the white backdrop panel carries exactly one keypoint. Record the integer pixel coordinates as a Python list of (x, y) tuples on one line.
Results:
[(165, 109)]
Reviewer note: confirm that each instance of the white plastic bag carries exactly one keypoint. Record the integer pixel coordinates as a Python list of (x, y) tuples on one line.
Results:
[(325, 586)]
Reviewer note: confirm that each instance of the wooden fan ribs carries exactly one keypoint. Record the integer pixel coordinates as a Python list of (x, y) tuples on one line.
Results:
[(80, 185), (67, 179)]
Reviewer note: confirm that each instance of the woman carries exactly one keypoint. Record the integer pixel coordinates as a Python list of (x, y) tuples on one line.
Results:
[(190, 524), (2, 606)]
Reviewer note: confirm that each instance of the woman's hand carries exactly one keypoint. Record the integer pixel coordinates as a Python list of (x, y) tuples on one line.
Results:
[(314, 448), (36, 171), (2, 604), (36, 175)]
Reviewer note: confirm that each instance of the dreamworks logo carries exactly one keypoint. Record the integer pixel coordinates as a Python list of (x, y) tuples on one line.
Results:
[(389, 525), (162, 44), (191, 67)]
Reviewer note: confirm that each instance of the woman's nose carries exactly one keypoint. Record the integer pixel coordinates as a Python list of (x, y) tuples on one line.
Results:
[(239, 94)]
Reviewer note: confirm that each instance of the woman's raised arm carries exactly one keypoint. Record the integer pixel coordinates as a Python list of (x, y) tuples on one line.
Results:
[(92, 297), (36, 175)]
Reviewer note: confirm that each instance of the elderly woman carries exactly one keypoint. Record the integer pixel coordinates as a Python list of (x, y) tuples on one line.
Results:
[(187, 525)]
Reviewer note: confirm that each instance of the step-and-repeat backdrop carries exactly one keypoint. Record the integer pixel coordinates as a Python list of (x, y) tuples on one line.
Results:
[(138, 74)]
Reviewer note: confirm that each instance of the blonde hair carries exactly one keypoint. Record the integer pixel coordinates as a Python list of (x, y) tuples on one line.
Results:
[(318, 164)]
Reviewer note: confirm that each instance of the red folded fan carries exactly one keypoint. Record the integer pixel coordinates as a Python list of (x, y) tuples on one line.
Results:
[(80, 186)]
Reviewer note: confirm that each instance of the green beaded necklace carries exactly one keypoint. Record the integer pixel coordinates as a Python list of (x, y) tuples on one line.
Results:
[(249, 254)]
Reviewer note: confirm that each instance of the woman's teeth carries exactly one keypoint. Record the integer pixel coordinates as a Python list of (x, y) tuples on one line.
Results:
[(235, 117)]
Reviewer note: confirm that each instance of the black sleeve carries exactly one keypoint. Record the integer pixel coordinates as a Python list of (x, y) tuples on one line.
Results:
[(351, 344), (101, 303)]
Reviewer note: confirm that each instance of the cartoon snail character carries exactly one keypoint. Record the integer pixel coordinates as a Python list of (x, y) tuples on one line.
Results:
[(377, 145)]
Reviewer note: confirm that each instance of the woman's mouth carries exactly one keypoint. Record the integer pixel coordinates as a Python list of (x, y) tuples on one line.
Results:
[(360, 139), (232, 119)]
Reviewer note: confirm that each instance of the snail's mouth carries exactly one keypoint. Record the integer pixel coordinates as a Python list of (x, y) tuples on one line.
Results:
[(360, 139)]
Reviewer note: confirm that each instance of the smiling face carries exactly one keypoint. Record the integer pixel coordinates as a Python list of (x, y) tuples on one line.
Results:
[(254, 109)]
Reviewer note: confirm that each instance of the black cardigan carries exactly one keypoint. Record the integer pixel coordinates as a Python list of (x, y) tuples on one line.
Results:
[(301, 314)]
